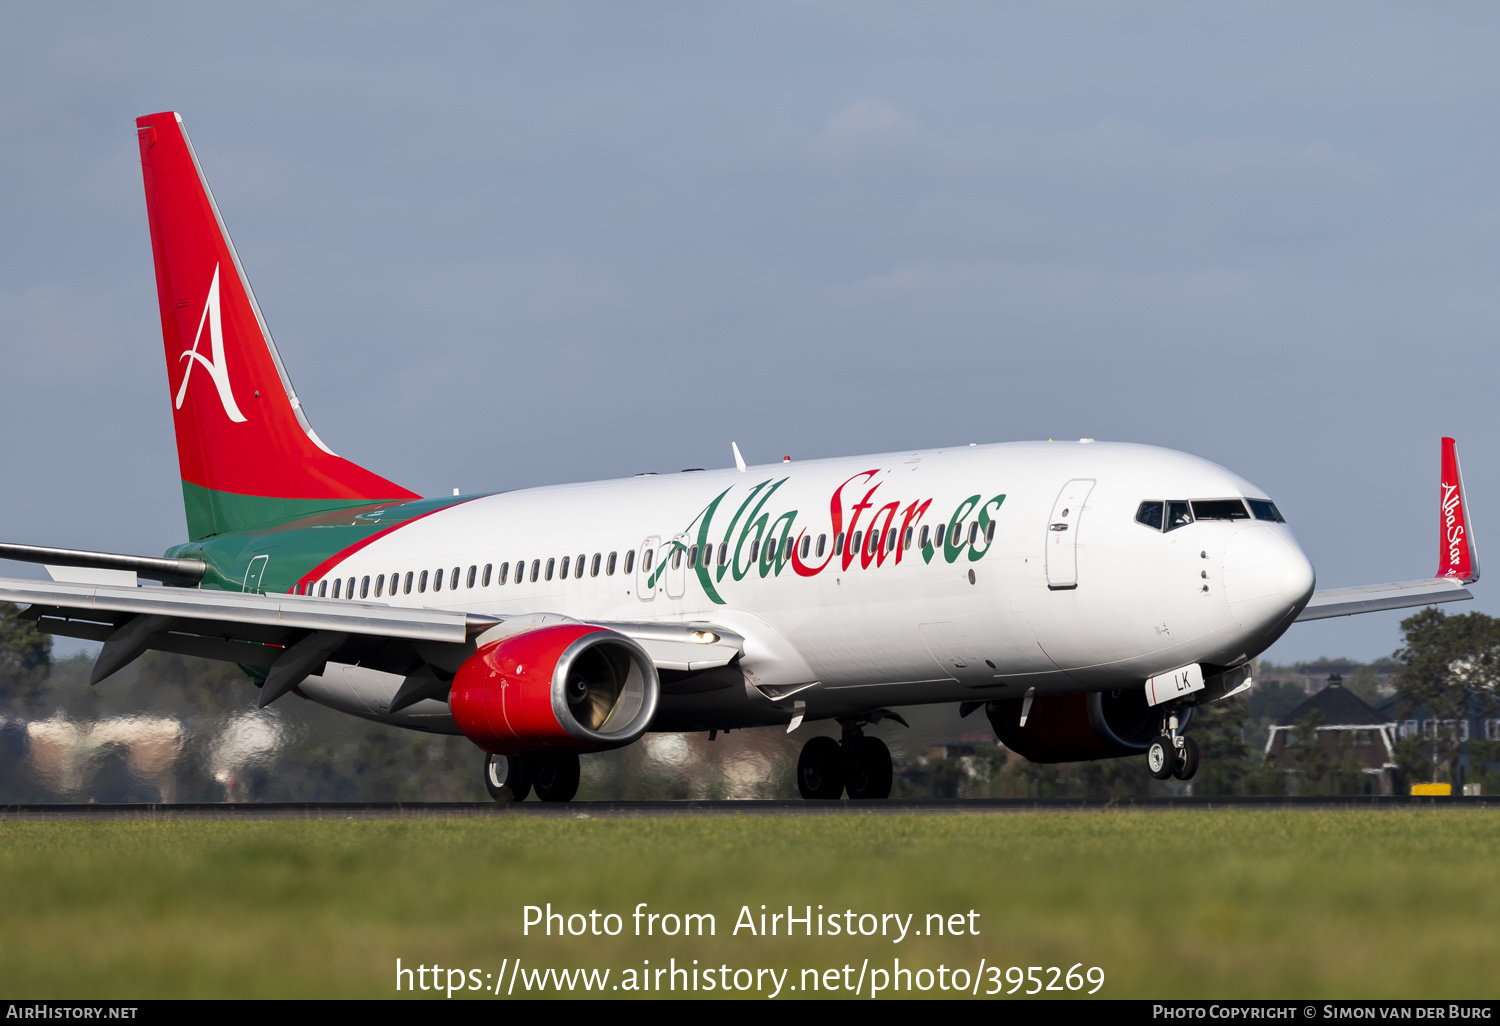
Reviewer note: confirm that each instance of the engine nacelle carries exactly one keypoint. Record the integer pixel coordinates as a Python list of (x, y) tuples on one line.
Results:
[(565, 688), (1079, 727)]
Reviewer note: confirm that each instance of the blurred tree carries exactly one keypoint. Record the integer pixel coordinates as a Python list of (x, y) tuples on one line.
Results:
[(1450, 666), (25, 658), (1219, 729), (1372, 681), (1324, 760)]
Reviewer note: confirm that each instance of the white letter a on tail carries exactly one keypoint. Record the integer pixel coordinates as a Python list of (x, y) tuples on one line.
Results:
[(216, 368)]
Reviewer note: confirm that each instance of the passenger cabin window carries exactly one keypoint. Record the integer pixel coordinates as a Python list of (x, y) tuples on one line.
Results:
[(609, 566), (565, 563), (406, 588), (323, 589), (1264, 510), (338, 586), (504, 573), (822, 543), (1219, 509), (1150, 514), (536, 570), (594, 566), (578, 565), (647, 558), (677, 559), (838, 544), (437, 580), (422, 582), (806, 545), (1178, 515), (488, 567), (349, 591), (723, 553), (906, 541), (629, 561), (364, 587), (923, 538), (473, 570), (551, 566)]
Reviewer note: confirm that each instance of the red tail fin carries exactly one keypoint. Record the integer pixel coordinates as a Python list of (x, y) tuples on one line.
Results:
[(1457, 555), (246, 452)]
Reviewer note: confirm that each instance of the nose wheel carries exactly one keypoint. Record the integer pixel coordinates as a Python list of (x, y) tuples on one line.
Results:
[(1173, 757)]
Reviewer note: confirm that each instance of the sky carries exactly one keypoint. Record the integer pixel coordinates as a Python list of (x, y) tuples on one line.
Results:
[(503, 245)]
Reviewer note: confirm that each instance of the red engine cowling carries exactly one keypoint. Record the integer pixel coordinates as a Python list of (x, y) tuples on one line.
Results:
[(566, 688), (1079, 727)]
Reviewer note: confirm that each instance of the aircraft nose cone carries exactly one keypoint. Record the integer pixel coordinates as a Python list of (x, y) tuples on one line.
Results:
[(1295, 575), (1265, 574)]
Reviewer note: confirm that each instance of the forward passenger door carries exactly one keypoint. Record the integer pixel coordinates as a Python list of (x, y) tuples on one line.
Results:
[(1062, 534)]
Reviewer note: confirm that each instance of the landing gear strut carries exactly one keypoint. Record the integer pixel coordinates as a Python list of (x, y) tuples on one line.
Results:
[(510, 778), (858, 764), (1173, 754)]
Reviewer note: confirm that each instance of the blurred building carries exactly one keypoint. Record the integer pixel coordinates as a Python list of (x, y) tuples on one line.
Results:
[(1480, 725), (1346, 727)]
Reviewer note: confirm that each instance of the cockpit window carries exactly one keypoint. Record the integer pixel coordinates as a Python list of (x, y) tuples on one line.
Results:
[(1150, 515), (1178, 515), (1264, 510), (1219, 509)]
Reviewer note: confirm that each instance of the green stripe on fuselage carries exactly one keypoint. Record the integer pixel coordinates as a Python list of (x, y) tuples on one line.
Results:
[(296, 543), (211, 512)]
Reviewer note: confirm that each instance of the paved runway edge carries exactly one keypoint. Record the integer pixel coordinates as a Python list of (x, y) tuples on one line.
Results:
[(659, 809)]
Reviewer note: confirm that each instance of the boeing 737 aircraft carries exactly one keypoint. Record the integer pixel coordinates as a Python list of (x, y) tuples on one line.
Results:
[(1086, 595)]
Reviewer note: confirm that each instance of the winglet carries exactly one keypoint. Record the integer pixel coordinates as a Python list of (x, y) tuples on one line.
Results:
[(1458, 557), (739, 461)]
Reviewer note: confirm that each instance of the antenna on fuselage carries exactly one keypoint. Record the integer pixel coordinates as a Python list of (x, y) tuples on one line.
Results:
[(739, 461)]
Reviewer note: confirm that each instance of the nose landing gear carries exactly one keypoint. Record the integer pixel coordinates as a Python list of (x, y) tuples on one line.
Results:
[(858, 764), (1173, 754)]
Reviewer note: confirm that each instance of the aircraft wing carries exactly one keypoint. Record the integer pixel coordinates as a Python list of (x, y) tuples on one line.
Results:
[(1458, 560), (1372, 598), (289, 637)]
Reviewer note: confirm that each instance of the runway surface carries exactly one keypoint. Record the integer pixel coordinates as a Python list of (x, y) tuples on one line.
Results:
[(662, 809)]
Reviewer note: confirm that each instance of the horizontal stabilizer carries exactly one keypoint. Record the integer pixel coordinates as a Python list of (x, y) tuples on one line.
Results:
[(1371, 598), (153, 568)]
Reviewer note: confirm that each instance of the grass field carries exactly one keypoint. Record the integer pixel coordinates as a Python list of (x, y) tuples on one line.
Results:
[(1201, 904)]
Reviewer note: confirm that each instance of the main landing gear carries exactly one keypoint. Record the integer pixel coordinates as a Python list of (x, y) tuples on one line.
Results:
[(859, 765), (510, 778), (1173, 754)]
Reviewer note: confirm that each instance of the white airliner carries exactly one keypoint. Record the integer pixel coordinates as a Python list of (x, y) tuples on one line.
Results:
[(1087, 595)]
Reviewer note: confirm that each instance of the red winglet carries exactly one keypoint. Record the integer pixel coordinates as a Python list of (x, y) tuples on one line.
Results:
[(1457, 555)]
